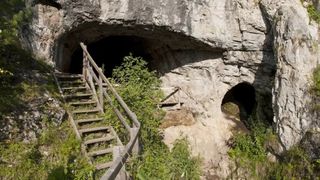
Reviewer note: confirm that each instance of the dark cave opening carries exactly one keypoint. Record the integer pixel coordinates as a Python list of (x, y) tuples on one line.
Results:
[(240, 101), (110, 51)]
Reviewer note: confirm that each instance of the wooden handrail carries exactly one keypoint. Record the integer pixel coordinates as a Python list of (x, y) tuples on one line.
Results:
[(133, 131), (132, 116)]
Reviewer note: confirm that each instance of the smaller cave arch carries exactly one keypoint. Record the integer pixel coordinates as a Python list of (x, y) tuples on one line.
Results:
[(240, 101)]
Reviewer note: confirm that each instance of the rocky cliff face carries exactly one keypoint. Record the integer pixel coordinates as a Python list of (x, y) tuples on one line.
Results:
[(296, 49), (205, 48)]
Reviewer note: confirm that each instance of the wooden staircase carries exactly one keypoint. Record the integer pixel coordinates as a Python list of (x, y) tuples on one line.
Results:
[(99, 141), (87, 95)]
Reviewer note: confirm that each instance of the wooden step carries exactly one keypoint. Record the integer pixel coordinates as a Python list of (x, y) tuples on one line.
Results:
[(69, 76), (104, 165), (74, 88), (70, 82), (88, 120), (98, 140), (78, 95), (100, 152), (85, 111), (82, 103), (66, 74), (96, 129)]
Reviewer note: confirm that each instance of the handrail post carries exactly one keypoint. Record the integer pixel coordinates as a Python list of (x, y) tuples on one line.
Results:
[(117, 152), (136, 146), (85, 65), (101, 92)]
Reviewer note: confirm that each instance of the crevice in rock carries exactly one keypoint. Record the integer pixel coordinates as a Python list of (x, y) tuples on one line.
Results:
[(52, 3)]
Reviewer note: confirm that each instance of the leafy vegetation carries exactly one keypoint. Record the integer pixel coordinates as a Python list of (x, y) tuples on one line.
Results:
[(315, 91), (316, 81), (55, 155), (250, 155), (13, 15), (314, 14), (139, 88)]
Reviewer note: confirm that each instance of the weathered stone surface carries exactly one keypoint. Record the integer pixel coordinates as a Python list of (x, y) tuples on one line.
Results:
[(181, 117), (296, 51), (311, 144)]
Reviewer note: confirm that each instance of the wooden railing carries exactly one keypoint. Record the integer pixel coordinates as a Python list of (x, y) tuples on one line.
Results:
[(103, 90)]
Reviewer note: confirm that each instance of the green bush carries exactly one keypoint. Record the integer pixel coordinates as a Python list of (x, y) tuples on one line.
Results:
[(249, 154), (248, 151), (13, 15), (316, 80), (13, 59), (314, 14), (56, 155), (139, 88), (315, 91)]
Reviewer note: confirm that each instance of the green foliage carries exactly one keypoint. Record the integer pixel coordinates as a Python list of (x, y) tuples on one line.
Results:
[(163, 164), (139, 88), (13, 15), (14, 61), (315, 91), (249, 153), (56, 155), (312, 11), (314, 14), (294, 164), (248, 150), (182, 165), (18, 81), (316, 81)]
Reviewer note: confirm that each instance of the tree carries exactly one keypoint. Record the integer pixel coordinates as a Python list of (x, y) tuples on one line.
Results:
[(13, 15)]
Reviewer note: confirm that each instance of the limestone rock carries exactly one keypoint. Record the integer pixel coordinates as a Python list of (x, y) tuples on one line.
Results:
[(311, 144), (296, 56), (177, 118)]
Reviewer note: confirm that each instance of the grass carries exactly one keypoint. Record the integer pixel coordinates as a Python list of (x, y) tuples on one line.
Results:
[(103, 158)]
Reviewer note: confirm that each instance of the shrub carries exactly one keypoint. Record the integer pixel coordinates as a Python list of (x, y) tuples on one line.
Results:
[(56, 155), (316, 80), (139, 88), (314, 14), (249, 153)]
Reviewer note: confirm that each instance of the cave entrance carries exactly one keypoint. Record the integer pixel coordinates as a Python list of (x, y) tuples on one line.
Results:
[(110, 51), (239, 101)]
